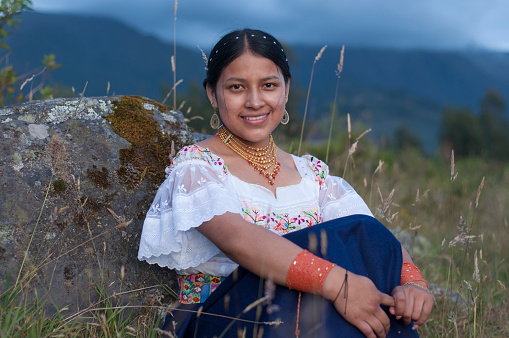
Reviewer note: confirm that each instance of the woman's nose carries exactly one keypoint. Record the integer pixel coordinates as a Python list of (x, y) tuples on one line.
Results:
[(255, 99)]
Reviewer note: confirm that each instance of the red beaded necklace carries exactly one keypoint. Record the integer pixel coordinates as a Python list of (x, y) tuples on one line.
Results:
[(262, 159)]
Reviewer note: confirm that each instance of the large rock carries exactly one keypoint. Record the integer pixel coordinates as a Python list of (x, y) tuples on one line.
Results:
[(76, 179)]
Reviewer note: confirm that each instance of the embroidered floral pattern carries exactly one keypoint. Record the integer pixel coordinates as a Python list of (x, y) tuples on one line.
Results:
[(320, 169), (194, 152), (254, 216), (282, 223)]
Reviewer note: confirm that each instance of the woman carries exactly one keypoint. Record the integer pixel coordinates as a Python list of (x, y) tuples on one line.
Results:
[(227, 201)]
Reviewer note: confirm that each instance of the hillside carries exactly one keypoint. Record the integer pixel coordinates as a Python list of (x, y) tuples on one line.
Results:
[(98, 50), (384, 88)]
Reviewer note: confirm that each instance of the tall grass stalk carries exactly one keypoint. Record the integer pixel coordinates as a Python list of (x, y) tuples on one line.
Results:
[(353, 148), (338, 74), (174, 88), (174, 58), (317, 57), (246, 310), (33, 232)]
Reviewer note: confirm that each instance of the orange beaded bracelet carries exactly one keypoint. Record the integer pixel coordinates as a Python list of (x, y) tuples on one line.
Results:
[(307, 272), (411, 273)]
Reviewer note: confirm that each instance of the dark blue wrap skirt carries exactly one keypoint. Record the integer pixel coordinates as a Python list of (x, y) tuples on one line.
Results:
[(358, 243)]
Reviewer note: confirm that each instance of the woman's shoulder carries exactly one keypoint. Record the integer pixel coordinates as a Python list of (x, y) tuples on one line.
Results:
[(195, 154), (318, 167)]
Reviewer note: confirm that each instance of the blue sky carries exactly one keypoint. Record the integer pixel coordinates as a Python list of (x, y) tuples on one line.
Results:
[(436, 24)]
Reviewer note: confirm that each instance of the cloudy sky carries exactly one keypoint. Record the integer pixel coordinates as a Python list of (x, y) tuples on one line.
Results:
[(437, 24)]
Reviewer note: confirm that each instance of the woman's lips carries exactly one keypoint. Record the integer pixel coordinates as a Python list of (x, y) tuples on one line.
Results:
[(254, 118)]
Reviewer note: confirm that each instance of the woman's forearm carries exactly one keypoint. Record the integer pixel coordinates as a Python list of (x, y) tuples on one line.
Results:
[(262, 252), (406, 255)]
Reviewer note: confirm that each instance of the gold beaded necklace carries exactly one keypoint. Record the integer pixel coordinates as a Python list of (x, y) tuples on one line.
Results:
[(260, 158)]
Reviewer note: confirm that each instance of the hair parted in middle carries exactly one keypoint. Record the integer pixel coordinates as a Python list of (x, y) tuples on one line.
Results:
[(233, 44)]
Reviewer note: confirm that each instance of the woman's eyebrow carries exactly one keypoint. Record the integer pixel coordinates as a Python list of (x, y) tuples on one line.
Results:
[(235, 79), (238, 79), (272, 77)]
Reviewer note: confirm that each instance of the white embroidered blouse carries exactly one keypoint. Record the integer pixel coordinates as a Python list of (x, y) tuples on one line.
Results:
[(199, 186)]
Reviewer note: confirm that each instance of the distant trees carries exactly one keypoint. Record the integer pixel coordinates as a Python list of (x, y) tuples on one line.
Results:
[(485, 134), (405, 138), (14, 87)]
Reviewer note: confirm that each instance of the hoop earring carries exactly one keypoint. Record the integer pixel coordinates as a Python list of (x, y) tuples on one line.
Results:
[(286, 118), (215, 123)]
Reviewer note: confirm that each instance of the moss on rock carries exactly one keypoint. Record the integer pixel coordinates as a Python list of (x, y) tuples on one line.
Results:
[(100, 178), (60, 185), (148, 154)]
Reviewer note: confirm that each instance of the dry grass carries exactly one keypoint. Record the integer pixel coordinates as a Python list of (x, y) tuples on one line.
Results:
[(456, 227), (317, 57)]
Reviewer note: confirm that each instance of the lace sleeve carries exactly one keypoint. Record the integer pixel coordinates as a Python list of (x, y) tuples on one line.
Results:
[(339, 199), (194, 192), (336, 197)]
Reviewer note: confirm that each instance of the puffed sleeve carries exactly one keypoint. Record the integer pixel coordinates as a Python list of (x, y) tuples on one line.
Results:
[(195, 190), (339, 199), (336, 198)]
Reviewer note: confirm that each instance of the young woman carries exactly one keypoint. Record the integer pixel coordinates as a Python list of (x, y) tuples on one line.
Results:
[(228, 200)]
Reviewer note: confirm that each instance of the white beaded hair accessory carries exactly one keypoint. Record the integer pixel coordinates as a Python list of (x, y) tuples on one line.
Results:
[(252, 35)]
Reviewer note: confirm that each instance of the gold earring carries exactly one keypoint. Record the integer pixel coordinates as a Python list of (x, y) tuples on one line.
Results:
[(215, 123), (286, 118)]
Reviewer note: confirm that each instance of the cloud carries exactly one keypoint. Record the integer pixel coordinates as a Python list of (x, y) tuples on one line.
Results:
[(390, 23)]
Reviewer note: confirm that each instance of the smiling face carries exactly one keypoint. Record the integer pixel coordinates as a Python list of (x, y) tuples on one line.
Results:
[(250, 95)]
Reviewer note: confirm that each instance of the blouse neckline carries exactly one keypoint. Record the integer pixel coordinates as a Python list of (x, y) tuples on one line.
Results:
[(274, 195)]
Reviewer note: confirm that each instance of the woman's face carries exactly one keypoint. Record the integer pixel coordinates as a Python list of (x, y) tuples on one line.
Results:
[(251, 95)]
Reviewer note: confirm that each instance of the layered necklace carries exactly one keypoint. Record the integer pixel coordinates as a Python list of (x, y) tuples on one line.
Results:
[(262, 159)]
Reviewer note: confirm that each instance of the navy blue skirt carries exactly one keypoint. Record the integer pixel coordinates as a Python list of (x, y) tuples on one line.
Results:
[(358, 243)]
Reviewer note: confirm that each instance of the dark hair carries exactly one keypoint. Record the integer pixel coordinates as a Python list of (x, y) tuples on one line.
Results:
[(233, 44)]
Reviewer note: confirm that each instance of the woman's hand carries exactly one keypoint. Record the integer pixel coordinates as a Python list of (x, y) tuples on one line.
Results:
[(362, 303), (411, 304)]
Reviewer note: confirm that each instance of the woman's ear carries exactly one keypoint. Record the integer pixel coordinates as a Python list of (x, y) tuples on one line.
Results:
[(211, 94)]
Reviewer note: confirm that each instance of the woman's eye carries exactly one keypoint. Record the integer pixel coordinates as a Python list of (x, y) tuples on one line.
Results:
[(236, 87), (270, 85)]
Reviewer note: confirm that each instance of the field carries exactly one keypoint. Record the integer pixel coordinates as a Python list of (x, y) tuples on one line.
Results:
[(452, 217)]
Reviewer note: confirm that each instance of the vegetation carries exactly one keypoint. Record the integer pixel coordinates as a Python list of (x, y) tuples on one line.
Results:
[(483, 134), (21, 317), (450, 213), (14, 87)]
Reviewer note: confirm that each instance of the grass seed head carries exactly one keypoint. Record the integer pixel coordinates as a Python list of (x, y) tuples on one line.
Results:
[(475, 275), (362, 135), (173, 66), (349, 125), (481, 186), (340, 64), (379, 168), (319, 55), (324, 242), (204, 57), (353, 148)]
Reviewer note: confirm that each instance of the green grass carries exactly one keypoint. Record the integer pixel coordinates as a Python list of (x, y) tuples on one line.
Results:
[(22, 314)]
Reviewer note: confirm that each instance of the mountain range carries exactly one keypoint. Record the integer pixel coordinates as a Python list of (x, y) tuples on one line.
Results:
[(382, 88)]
